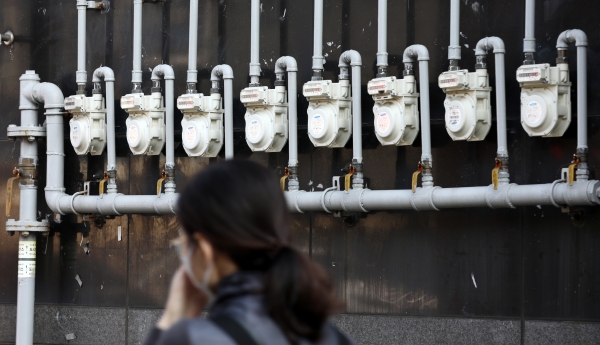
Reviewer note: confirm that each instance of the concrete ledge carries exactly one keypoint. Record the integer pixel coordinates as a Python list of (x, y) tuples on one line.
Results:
[(562, 333)]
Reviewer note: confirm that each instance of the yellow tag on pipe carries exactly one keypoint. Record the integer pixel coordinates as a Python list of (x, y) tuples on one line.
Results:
[(415, 177), (159, 183), (285, 176), (9, 190), (495, 173), (572, 166), (348, 179)]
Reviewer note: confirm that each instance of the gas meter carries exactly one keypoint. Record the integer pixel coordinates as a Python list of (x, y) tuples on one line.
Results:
[(146, 122), (396, 114), (545, 99), (468, 111), (329, 114), (202, 124), (266, 117), (88, 125)]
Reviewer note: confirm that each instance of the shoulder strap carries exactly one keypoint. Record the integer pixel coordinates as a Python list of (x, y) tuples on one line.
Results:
[(234, 329)]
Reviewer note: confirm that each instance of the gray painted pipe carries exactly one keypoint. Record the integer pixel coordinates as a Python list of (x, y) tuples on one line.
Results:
[(166, 72), (136, 73), (422, 54), (582, 193), (255, 42), (352, 58), (529, 40), (283, 64), (192, 73), (317, 64), (109, 78), (382, 55), (454, 47), (226, 73), (497, 45), (81, 74)]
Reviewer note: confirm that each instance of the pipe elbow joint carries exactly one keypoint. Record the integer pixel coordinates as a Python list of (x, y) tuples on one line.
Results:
[(418, 51), (570, 36), (46, 93), (350, 58), (221, 71), (164, 71), (485, 44), (52, 196), (105, 73), (286, 63)]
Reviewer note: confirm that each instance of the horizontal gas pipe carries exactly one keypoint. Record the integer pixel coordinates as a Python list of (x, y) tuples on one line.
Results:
[(109, 79), (283, 64), (166, 72), (226, 73)]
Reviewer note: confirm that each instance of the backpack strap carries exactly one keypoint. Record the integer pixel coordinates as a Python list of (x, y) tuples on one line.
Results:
[(234, 329)]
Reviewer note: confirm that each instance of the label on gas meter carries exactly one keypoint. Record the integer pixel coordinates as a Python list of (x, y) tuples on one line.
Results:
[(26, 265), (190, 135), (317, 124), (251, 95), (454, 116), (383, 122), (185, 102), (253, 129), (533, 112), (376, 86), (448, 80), (132, 134), (529, 74), (75, 134)]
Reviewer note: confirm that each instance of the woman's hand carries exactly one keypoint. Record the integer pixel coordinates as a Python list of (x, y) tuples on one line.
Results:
[(184, 301)]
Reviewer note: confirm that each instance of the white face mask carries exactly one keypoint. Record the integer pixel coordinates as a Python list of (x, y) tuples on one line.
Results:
[(203, 285)]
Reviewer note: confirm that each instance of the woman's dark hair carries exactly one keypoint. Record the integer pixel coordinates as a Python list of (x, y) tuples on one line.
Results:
[(239, 207)]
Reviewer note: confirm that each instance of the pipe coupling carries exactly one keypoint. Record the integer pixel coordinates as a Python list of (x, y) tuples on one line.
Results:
[(499, 198), (422, 199)]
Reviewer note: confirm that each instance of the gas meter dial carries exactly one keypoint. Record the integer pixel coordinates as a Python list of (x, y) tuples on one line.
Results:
[(396, 114), (146, 122), (329, 114), (545, 99), (266, 118), (468, 110), (88, 125), (202, 124)]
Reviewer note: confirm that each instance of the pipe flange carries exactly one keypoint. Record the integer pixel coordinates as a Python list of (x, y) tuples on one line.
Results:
[(552, 193), (14, 131), (27, 226), (323, 198)]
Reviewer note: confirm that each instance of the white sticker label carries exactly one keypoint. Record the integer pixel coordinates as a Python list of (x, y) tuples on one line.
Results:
[(70, 103), (533, 112), (185, 103), (190, 135), (250, 96), (448, 80), (529, 74), (383, 122), (311, 90), (75, 134), (27, 249), (317, 124), (26, 269), (253, 129), (127, 102), (454, 116), (377, 86), (132, 134)]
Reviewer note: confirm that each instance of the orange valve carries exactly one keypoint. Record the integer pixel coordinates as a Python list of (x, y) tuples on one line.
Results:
[(285, 176), (160, 182), (495, 173), (415, 177), (572, 166), (9, 190), (348, 178), (102, 182)]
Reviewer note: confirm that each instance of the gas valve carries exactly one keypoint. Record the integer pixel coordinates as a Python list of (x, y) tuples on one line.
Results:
[(146, 122), (396, 114), (266, 118), (329, 114), (545, 99), (88, 125), (202, 124), (468, 111)]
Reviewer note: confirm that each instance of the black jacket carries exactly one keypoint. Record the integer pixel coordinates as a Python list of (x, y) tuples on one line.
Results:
[(239, 296)]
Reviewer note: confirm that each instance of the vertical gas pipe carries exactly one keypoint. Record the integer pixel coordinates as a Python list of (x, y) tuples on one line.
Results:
[(318, 59), (254, 43), (529, 40), (166, 72), (108, 75), (226, 73), (283, 64), (382, 55), (192, 73), (454, 47), (136, 73)]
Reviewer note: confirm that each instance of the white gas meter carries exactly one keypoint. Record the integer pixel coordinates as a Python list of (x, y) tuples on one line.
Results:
[(329, 112), (468, 111), (545, 99), (88, 125), (396, 114), (266, 117), (202, 124), (146, 122)]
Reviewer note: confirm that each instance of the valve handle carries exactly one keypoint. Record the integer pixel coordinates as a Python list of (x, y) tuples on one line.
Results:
[(285, 176), (572, 166), (160, 182), (495, 173), (348, 178), (102, 182), (9, 190), (415, 177)]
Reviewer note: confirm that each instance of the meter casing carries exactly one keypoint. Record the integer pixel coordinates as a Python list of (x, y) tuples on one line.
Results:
[(266, 118), (468, 111), (329, 112), (396, 113), (545, 99), (88, 125), (146, 122), (202, 124)]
